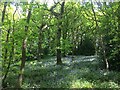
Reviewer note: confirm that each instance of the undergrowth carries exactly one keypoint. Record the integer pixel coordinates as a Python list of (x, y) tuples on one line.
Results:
[(82, 72)]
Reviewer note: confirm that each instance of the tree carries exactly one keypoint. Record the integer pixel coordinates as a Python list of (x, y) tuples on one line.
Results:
[(59, 17), (2, 20), (101, 40), (41, 25), (11, 56), (24, 41)]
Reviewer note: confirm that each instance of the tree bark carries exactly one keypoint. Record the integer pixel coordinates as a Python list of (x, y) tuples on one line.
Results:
[(64, 38), (59, 61), (6, 41), (59, 17), (24, 41), (59, 45), (6, 57), (11, 53), (8, 32), (3, 12)]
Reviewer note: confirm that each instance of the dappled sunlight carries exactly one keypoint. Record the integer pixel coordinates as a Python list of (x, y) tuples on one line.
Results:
[(79, 73), (83, 72), (81, 84), (60, 44), (109, 84)]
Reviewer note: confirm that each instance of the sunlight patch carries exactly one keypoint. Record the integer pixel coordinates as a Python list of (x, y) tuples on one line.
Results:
[(81, 84)]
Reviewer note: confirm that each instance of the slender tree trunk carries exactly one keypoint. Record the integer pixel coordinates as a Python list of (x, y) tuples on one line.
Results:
[(59, 61), (6, 41), (6, 73), (5, 58), (76, 40), (39, 45), (73, 43), (40, 50), (59, 45), (81, 39), (48, 41), (8, 32), (97, 28), (11, 53), (64, 38), (22, 62), (104, 54), (102, 42), (2, 20), (7, 38), (59, 17), (3, 12), (24, 41)]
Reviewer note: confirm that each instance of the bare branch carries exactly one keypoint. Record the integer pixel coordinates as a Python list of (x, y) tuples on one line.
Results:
[(3, 12), (52, 11), (15, 10), (35, 23)]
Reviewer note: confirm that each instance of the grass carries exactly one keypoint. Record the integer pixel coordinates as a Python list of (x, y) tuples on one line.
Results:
[(82, 72)]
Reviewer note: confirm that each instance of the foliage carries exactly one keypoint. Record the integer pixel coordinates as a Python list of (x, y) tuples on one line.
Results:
[(110, 32), (85, 29)]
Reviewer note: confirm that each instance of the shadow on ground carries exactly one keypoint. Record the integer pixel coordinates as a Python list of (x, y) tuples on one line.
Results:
[(81, 72)]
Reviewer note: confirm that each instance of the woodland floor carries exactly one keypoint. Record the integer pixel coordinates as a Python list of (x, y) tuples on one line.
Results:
[(82, 72)]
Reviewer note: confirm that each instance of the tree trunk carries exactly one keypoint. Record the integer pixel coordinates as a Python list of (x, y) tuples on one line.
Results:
[(59, 45), (8, 32), (73, 43), (97, 28), (22, 62), (20, 78), (6, 41), (3, 12), (59, 17), (11, 53), (102, 42), (104, 54), (64, 38), (59, 61), (40, 50), (39, 45), (6, 58)]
